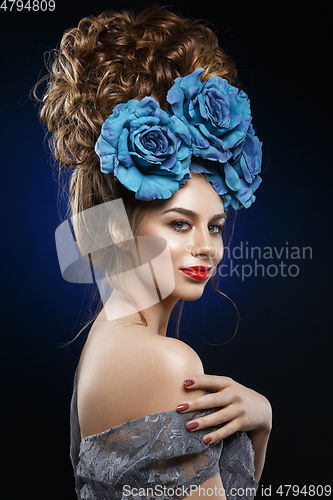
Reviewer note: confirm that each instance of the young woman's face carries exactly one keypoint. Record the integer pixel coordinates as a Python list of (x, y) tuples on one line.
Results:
[(191, 221)]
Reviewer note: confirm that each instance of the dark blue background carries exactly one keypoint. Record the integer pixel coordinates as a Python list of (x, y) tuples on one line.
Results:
[(283, 346)]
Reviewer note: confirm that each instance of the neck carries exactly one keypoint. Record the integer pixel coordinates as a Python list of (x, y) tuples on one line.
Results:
[(125, 307), (158, 315)]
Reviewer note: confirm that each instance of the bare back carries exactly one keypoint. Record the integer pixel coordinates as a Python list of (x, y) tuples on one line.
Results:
[(126, 372)]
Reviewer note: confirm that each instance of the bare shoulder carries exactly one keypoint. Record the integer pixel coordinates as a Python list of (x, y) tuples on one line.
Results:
[(127, 372)]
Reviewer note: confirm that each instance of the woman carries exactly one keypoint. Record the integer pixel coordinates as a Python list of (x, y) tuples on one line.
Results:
[(145, 111)]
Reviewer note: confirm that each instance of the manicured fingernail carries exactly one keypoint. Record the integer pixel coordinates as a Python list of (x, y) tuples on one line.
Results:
[(192, 426), (183, 407), (188, 382), (207, 440)]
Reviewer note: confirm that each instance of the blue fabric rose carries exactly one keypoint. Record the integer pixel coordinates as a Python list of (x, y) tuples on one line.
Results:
[(218, 117), (146, 148), (216, 113), (237, 179)]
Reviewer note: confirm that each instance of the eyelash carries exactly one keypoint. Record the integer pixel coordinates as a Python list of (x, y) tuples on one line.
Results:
[(221, 229)]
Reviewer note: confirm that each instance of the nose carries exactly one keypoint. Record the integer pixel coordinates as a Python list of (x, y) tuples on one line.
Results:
[(202, 245)]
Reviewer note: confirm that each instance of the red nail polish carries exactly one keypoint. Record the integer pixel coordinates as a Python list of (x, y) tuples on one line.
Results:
[(192, 425), (207, 440), (183, 407), (188, 382)]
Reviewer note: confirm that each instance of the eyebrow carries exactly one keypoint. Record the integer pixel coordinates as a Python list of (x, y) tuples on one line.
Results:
[(190, 213)]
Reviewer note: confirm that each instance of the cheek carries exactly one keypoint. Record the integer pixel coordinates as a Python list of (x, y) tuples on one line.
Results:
[(219, 251), (177, 247), (181, 255)]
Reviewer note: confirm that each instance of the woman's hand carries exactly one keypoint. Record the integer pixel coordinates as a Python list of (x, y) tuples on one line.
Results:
[(241, 409)]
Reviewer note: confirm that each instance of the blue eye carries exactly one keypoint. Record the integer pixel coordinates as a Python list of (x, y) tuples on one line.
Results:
[(179, 225), (217, 228)]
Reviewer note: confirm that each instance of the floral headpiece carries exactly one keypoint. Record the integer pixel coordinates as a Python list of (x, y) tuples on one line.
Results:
[(208, 123)]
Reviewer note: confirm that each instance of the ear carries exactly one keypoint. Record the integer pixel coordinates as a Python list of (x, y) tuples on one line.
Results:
[(118, 235)]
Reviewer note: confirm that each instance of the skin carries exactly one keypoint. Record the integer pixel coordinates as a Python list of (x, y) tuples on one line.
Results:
[(128, 370)]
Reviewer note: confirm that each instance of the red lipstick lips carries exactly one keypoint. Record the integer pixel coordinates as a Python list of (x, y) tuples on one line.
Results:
[(198, 273)]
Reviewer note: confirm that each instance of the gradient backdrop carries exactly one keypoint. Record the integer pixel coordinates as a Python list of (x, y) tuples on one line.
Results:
[(283, 347)]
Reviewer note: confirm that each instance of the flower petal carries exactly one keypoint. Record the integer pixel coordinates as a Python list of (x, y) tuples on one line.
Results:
[(231, 178), (155, 186), (123, 153), (131, 178)]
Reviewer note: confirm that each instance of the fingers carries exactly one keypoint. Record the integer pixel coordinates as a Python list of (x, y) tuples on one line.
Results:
[(214, 382), (230, 419), (213, 400), (207, 401), (228, 396), (222, 433), (225, 393), (237, 408), (223, 416)]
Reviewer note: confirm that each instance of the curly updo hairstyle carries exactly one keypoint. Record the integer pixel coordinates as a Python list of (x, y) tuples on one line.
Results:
[(107, 60), (110, 59)]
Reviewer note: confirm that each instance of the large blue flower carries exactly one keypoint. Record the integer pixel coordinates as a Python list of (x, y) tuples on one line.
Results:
[(147, 149), (237, 179), (217, 114)]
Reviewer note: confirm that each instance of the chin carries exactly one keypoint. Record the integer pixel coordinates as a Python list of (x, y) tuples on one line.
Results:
[(192, 299), (191, 295)]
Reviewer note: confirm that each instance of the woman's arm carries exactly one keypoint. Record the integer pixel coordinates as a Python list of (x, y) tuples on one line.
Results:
[(242, 409), (259, 438)]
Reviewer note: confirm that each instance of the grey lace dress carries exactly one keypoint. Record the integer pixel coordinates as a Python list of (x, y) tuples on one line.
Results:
[(156, 458)]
